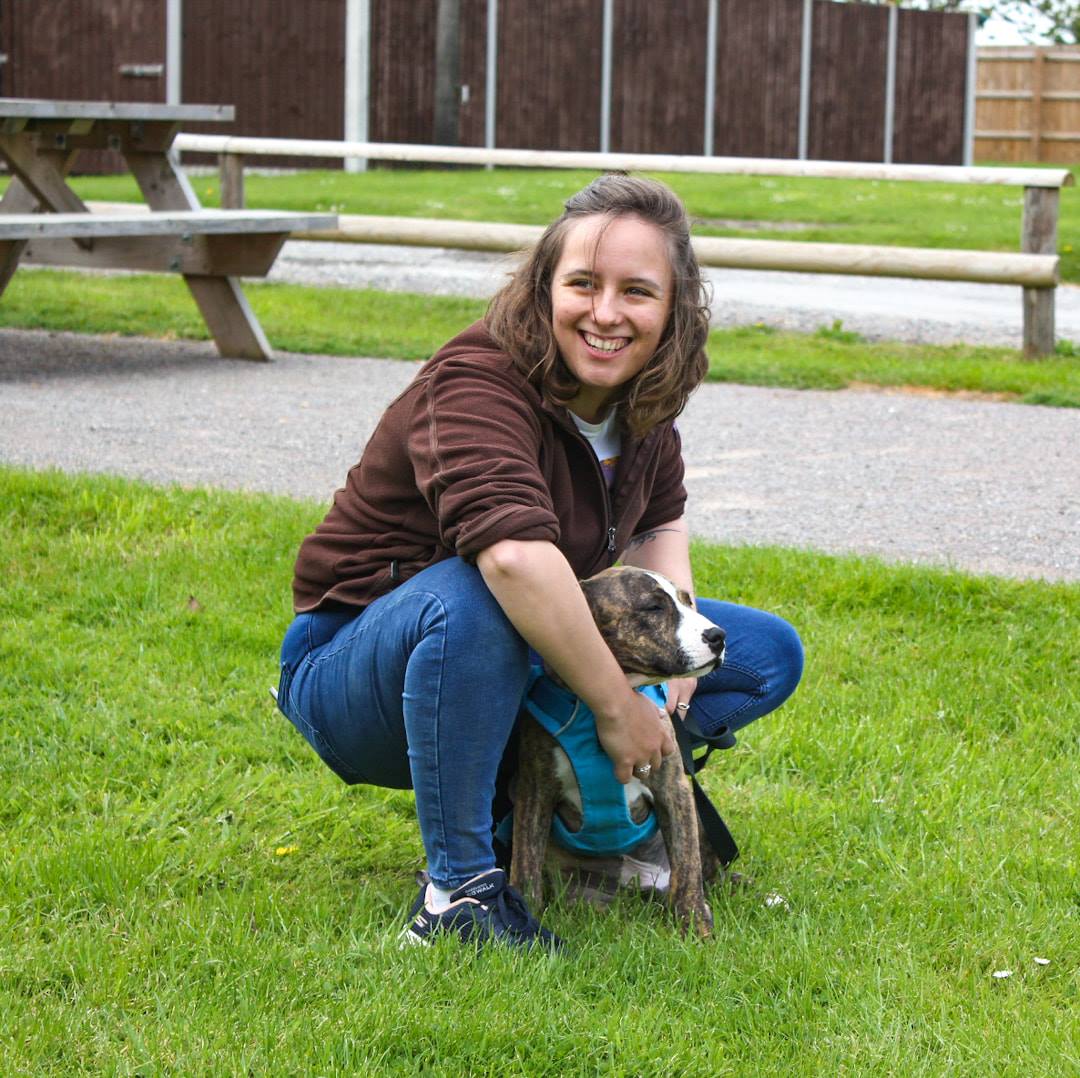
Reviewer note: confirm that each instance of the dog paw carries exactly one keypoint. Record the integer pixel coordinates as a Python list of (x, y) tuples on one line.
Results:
[(695, 917)]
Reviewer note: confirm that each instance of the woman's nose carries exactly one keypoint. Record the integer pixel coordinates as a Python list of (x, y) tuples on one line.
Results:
[(606, 308)]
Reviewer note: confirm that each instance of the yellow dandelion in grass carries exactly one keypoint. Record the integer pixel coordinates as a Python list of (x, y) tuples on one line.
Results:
[(284, 851), (1067, 248)]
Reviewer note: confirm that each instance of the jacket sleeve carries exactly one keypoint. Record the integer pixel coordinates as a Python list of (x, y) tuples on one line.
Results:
[(475, 445), (667, 501)]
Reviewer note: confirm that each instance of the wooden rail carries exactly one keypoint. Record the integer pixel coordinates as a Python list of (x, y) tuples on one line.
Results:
[(938, 264), (1037, 276)]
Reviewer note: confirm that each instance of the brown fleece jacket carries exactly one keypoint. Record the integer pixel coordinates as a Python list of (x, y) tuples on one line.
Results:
[(470, 454)]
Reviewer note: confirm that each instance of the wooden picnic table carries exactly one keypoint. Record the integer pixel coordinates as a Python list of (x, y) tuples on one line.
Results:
[(41, 217)]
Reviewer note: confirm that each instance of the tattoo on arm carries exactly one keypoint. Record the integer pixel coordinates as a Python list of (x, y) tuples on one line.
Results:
[(646, 537)]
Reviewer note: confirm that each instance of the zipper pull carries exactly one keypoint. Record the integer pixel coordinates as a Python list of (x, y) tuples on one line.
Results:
[(611, 540)]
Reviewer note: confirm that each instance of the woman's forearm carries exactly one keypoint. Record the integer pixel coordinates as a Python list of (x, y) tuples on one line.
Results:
[(537, 589), (535, 586)]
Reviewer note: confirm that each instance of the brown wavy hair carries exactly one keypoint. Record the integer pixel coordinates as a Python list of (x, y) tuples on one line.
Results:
[(519, 316)]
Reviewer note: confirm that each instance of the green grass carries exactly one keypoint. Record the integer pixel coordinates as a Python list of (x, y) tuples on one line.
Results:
[(184, 889), (404, 326), (836, 211)]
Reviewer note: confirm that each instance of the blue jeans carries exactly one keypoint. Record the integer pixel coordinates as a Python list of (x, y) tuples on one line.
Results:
[(423, 687)]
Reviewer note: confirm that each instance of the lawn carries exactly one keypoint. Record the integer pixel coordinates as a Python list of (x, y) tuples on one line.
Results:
[(184, 889)]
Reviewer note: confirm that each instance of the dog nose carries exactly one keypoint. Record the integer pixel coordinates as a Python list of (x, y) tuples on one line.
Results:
[(715, 638)]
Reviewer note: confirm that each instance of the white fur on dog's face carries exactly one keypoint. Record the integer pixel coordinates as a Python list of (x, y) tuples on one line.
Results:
[(691, 631)]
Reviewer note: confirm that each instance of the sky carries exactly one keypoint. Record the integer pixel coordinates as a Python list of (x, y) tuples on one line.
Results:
[(996, 31)]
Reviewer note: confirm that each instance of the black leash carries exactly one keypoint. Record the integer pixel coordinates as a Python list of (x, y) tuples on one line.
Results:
[(716, 831)]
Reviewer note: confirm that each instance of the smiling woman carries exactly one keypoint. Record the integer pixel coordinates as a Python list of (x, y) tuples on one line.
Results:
[(533, 450)]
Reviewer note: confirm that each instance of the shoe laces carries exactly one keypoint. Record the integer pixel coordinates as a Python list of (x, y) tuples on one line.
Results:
[(511, 911)]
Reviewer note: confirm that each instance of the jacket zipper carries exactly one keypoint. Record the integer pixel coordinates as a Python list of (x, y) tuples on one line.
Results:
[(609, 510)]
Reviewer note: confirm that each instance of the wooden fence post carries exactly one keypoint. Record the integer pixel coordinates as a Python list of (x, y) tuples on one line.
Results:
[(1039, 236), (231, 166)]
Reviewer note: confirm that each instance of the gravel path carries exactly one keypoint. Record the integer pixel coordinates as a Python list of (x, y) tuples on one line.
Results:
[(981, 486)]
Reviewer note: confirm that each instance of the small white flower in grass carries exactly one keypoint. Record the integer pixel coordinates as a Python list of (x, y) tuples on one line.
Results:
[(1001, 974), (774, 899), (1041, 961)]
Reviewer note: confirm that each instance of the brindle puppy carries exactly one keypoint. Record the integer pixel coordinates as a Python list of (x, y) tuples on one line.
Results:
[(655, 634)]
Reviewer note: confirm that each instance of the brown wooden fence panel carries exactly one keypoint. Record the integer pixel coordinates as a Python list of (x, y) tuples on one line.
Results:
[(931, 81), (281, 65), (1028, 104), (658, 77), (402, 83), (549, 74), (402, 97), (757, 78), (847, 81), (471, 121), (57, 49)]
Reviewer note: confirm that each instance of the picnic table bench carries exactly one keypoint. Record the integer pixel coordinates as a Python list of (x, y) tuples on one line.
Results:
[(42, 220)]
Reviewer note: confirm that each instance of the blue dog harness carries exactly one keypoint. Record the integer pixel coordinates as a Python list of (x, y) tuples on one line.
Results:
[(607, 826)]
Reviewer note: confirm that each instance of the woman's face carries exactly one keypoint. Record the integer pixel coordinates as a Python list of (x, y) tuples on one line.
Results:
[(610, 300)]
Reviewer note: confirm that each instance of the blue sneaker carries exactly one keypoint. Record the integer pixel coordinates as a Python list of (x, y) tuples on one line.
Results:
[(484, 910)]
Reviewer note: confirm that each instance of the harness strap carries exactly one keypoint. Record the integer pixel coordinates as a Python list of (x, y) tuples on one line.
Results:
[(716, 831)]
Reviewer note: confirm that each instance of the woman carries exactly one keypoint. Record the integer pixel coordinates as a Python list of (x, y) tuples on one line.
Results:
[(534, 449)]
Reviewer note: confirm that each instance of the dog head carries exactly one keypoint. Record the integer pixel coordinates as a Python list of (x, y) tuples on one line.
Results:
[(651, 627)]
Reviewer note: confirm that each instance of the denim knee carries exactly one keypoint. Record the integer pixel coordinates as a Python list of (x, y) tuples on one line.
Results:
[(475, 625), (764, 665), (788, 663)]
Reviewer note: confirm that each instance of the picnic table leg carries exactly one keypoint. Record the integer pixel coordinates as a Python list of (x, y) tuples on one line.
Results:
[(231, 321), (49, 169), (43, 172), (10, 253), (18, 198), (225, 309)]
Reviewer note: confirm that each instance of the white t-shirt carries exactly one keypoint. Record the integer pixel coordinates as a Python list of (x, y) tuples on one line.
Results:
[(606, 441)]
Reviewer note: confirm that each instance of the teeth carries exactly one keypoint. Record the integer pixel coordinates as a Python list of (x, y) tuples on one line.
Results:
[(605, 345)]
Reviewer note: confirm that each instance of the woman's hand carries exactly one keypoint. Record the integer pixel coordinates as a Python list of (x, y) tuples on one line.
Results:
[(640, 734), (679, 691)]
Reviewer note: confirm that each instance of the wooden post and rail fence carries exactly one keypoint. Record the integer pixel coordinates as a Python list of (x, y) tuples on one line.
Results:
[(1034, 268)]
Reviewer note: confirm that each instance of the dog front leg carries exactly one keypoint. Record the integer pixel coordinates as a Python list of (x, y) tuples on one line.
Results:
[(710, 863), (534, 805), (673, 800)]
